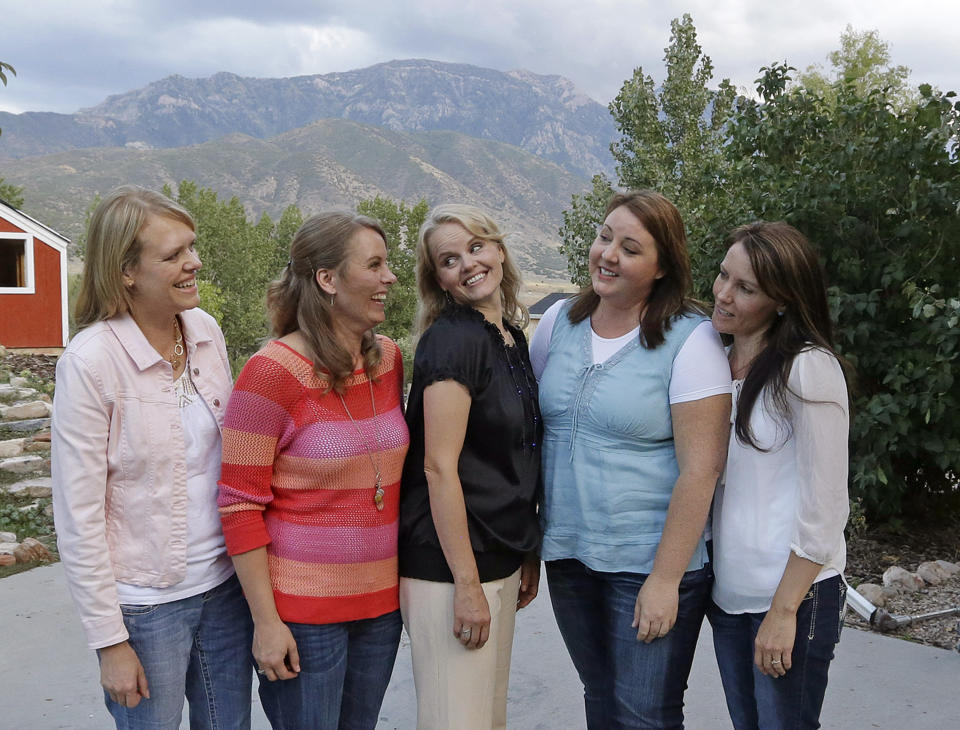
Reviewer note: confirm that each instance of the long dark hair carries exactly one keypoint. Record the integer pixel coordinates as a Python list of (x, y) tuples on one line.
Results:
[(296, 301), (670, 293), (787, 270)]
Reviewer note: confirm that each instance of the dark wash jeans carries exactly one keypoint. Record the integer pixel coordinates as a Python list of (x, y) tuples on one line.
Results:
[(793, 701), (626, 683), (344, 672)]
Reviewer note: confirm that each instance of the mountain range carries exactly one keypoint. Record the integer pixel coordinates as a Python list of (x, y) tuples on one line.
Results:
[(516, 143)]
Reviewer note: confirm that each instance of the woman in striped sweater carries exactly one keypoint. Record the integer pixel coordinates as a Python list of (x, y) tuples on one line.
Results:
[(314, 443)]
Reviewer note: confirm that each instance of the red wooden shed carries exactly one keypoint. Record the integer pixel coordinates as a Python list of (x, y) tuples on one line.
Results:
[(33, 283)]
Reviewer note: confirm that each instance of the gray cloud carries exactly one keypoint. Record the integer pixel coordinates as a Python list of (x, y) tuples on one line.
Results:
[(74, 54)]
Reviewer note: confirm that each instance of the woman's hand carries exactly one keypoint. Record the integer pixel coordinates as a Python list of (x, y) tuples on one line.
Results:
[(773, 647), (122, 676), (471, 615), (529, 581), (275, 650), (655, 612)]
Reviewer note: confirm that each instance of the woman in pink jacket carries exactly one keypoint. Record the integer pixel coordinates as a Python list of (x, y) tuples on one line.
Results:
[(141, 392)]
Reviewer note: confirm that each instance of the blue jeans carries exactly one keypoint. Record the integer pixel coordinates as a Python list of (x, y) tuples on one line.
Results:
[(198, 648), (344, 672), (626, 683), (793, 700)]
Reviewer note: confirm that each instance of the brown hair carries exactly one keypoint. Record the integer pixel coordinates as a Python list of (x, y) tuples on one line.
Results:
[(669, 296), (295, 301), (432, 298), (113, 246), (788, 271)]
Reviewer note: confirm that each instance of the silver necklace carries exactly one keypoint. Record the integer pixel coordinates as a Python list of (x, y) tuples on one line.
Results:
[(378, 482)]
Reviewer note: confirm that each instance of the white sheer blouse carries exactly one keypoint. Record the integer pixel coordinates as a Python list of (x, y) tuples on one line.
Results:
[(793, 497)]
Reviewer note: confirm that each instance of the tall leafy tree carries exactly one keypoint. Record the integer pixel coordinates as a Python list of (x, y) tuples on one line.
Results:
[(401, 223), (239, 259), (671, 140), (877, 187), (862, 60)]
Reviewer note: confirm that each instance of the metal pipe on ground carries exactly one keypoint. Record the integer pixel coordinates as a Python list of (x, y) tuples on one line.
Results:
[(883, 621)]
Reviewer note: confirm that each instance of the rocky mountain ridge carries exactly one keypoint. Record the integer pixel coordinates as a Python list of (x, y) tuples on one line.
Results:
[(544, 115)]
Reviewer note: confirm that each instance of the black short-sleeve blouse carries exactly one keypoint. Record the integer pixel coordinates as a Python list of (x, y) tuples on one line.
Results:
[(499, 464)]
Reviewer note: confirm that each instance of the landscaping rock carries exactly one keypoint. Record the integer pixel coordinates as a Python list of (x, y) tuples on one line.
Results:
[(44, 436), (23, 464), (873, 593), (7, 559), (902, 580), (18, 381), (37, 447), (11, 447), (951, 568), (33, 409), (33, 488), (8, 537), (30, 550), (932, 573), (27, 426), (3, 351)]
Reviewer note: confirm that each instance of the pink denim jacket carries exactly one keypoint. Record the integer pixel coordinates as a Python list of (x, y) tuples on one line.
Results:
[(118, 465)]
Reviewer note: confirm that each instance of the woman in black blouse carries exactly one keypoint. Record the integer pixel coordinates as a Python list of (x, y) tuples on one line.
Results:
[(468, 524)]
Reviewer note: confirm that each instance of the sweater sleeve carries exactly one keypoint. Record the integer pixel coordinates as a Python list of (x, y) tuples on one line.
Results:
[(821, 428), (258, 415)]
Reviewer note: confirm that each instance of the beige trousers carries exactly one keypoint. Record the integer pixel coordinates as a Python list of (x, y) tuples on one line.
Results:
[(459, 688)]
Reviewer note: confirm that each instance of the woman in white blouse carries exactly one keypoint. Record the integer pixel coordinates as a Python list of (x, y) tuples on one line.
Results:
[(781, 507)]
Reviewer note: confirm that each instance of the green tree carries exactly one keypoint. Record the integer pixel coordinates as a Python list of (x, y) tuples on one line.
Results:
[(863, 60), (671, 140), (11, 194), (580, 223), (239, 259), (401, 224), (877, 187)]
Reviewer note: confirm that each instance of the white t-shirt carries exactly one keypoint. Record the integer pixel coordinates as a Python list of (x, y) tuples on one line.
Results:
[(700, 368), (208, 564)]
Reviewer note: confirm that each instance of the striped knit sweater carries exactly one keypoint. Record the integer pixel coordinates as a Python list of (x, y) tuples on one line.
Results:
[(297, 478)]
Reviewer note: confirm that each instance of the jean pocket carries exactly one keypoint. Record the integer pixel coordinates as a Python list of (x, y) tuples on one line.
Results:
[(843, 608), (128, 609), (810, 603)]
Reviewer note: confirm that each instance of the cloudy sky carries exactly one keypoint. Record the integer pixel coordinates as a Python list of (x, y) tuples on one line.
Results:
[(71, 54)]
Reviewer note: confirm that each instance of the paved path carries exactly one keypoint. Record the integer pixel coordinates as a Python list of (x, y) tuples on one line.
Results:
[(48, 679)]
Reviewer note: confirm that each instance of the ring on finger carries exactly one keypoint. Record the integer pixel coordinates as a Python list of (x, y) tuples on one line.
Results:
[(261, 671), (775, 661), (465, 633)]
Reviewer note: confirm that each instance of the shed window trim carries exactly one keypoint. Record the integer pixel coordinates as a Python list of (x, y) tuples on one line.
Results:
[(23, 241)]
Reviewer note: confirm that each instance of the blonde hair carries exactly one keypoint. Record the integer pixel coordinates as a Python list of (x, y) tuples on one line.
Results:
[(432, 298), (295, 301), (113, 247)]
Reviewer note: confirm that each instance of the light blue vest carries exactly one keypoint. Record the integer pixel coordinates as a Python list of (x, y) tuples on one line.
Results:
[(609, 464)]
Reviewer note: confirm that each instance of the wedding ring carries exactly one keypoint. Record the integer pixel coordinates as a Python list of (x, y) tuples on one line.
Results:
[(261, 671), (775, 661), (465, 633)]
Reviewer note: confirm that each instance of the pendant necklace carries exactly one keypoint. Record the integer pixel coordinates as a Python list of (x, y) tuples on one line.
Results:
[(177, 357), (378, 482)]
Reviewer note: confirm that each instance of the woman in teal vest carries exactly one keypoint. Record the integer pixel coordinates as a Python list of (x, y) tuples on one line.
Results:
[(635, 398)]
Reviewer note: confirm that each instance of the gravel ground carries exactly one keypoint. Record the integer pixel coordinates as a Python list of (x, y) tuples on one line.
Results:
[(870, 555)]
